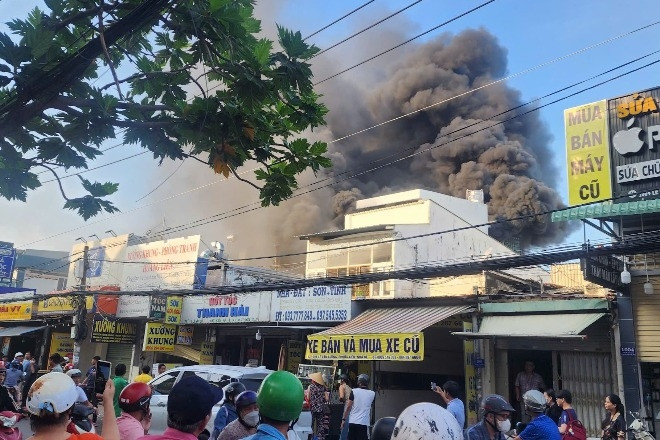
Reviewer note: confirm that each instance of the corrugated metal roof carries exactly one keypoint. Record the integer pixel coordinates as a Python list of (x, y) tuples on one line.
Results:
[(395, 320), (607, 209), (549, 326), (18, 330)]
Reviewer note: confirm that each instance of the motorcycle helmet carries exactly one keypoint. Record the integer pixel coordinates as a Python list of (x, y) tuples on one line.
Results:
[(245, 399), (383, 428), (426, 421), (534, 401), (52, 393), (74, 373), (363, 379), (495, 403), (234, 389), (135, 396), (280, 396)]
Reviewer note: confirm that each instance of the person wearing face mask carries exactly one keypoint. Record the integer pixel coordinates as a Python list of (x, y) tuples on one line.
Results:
[(496, 421), (248, 417), (541, 426)]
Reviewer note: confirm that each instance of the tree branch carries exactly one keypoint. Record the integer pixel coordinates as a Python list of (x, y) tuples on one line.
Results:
[(87, 103), (144, 124), (243, 180), (107, 54), (104, 7), (146, 75), (59, 182)]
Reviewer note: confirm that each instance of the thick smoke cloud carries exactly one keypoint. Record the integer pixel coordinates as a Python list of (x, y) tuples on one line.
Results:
[(511, 161)]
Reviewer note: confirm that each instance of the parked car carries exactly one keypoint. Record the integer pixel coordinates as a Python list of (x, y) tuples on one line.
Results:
[(218, 375)]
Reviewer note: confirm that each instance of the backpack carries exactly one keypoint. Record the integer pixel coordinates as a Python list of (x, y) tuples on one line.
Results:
[(574, 429)]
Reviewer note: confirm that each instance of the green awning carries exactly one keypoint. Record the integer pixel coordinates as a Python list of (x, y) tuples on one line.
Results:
[(607, 209)]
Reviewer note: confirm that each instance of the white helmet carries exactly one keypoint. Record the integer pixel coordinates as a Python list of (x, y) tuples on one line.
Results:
[(426, 421), (52, 393)]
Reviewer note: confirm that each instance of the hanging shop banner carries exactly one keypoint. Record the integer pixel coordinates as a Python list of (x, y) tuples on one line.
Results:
[(184, 335), (207, 353), (108, 329), (372, 347), (159, 337), (133, 306), (588, 153), (61, 343), (16, 311), (311, 304), (105, 262), (60, 304), (169, 264), (157, 307), (173, 312), (218, 309), (295, 352), (471, 391)]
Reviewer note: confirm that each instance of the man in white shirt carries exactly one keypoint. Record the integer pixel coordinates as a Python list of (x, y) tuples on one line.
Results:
[(358, 410), (76, 375)]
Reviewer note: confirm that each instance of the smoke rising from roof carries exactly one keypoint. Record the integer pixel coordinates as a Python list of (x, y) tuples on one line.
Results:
[(511, 162)]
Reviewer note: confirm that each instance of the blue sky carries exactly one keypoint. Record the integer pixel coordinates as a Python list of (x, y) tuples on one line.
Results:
[(533, 32)]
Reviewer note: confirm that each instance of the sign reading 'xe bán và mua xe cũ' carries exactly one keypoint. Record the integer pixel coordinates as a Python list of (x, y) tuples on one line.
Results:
[(373, 347)]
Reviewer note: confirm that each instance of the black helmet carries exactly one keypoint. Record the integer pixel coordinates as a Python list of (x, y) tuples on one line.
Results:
[(495, 403), (383, 428), (534, 401), (234, 389), (344, 378), (363, 379)]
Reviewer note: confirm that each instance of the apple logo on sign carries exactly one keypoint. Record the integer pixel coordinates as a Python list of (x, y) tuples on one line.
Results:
[(628, 141)]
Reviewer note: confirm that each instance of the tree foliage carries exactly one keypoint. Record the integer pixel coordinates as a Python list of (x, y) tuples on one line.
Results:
[(191, 80)]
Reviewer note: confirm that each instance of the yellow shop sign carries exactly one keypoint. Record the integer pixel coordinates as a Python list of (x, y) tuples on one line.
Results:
[(16, 311), (372, 347)]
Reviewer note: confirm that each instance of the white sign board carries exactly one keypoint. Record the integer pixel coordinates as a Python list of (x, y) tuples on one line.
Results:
[(638, 171), (219, 309), (131, 306), (312, 304), (105, 262), (168, 264)]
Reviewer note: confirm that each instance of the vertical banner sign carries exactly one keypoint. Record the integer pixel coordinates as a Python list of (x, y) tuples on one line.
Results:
[(157, 307), (61, 343), (206, 355), (159, 337), (588, 153), (173, 312), (185, 335), (295, 355), (471, 397)]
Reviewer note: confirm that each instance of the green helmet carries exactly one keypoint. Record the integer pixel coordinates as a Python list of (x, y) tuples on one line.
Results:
[(280, 397)]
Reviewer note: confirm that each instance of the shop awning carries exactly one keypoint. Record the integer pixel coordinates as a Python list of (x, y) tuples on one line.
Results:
[(18, 331), (561, 326), (379, 334), (186, 352), (607, 209)]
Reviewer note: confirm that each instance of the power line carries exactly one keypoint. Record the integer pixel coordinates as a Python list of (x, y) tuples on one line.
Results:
[(338, 20), (367, 28), (365, 171), (400, 117), (407, 41)]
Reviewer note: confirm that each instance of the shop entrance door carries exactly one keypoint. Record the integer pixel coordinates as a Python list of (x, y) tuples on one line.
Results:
[(542, 365)]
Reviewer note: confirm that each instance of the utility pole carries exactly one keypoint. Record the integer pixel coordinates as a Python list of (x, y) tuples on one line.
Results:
[(80, 311)]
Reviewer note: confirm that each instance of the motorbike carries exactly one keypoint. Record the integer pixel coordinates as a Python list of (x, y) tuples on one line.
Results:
[(80, 419), (8, 428), (638, 428)]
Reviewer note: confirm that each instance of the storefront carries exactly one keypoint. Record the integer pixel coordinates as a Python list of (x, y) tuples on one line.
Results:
[(408, 348), (646, 310), (569, 341)]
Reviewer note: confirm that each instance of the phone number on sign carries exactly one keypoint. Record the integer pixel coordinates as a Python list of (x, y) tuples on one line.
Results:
[(310, 315)]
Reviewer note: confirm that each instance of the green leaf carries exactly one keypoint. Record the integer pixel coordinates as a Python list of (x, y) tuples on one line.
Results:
[(97, 189), (88, 206), (218, 4), (262, 51)]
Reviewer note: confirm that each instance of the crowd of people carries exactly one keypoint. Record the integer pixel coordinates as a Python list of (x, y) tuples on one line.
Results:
[(270, 413)]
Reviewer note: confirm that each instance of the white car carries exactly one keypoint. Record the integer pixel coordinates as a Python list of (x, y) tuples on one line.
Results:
[(218, 375)]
